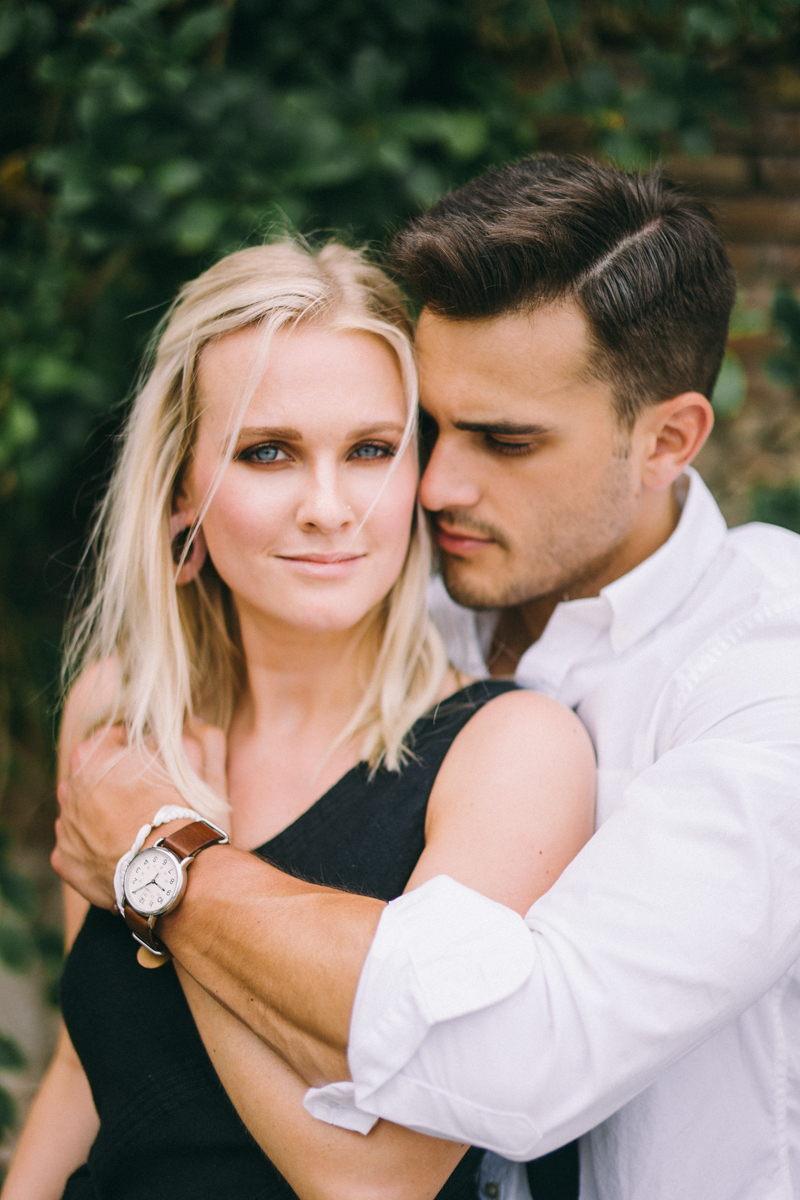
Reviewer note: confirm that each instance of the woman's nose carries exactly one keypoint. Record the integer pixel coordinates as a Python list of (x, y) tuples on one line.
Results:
[(324, 505)]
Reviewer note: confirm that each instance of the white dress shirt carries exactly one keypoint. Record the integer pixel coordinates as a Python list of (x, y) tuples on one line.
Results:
[(652, 996)]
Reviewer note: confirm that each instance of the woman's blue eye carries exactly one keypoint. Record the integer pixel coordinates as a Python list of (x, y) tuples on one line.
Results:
[(264, 454), (372, 450)]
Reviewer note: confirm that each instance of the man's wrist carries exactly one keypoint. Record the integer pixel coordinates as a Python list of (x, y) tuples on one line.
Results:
[(203, 876)]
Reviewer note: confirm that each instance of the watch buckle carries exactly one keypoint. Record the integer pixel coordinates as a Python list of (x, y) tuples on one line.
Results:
[(158, 953)]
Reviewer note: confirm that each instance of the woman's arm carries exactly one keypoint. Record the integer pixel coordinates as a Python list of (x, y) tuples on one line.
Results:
[(62, 1122), (319, 1161), (58, 1133), (511, 806)]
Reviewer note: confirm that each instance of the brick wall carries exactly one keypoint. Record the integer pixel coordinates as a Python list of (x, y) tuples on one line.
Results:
[(753, 182)]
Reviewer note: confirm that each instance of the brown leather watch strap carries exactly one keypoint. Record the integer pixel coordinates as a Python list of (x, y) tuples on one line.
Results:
[(141, 928), (191, 839), (184, 843)]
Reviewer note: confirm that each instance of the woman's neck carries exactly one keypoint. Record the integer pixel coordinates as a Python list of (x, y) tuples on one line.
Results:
[(296, 678), (301, 691)]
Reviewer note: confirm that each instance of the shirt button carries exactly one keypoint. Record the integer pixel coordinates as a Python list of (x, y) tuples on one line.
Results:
[(491, 1190)]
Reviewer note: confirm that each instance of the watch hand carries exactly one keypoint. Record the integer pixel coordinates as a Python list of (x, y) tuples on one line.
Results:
[(144, 885)]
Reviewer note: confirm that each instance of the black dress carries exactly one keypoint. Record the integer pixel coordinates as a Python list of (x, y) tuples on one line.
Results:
[(167, 1126)]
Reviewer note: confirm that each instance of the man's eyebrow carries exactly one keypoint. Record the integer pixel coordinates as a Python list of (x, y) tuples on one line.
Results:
[(503, 428)]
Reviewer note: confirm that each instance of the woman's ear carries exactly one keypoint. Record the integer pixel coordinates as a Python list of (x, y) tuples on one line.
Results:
[(677, 429), (180, 529)]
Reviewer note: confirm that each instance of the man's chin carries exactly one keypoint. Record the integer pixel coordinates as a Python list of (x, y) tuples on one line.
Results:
[(468, 591)]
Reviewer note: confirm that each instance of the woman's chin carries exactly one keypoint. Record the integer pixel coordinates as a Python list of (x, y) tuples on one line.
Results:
[(334, 617)]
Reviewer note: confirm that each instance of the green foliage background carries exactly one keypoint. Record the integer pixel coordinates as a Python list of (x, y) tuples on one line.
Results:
[(142, 139)]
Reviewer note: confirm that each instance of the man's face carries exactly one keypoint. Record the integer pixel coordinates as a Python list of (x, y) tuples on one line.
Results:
[(534, 483)]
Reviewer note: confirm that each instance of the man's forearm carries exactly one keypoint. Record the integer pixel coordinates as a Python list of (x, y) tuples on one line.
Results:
[(283, 955)]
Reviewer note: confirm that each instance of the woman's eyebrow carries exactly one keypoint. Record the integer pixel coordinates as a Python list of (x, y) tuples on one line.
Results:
[(283, 433), (278, 433), (377, 427)]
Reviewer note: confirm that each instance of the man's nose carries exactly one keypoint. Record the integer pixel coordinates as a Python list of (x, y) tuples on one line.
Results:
[(449, 478)]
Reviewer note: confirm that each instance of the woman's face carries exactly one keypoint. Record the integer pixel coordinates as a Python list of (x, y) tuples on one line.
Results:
[(314, 453)]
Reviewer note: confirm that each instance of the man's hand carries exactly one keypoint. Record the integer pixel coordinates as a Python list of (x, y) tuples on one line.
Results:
[(110, 793), (282, 955)]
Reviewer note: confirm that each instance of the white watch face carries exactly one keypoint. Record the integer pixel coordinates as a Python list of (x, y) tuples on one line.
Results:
[(152, 881)]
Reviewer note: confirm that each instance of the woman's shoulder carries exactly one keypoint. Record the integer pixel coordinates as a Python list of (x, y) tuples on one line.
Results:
[(461, 689), (90, 701), (513, 799), (455, 706), (495, 718)]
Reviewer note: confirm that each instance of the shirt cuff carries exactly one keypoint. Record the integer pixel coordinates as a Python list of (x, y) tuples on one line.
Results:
[(336, 1105), (440, 952)]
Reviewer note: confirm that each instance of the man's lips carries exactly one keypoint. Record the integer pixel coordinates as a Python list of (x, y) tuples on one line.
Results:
[(454, 541)]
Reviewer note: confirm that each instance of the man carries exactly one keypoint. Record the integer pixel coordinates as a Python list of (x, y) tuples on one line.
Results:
[(573, 324)]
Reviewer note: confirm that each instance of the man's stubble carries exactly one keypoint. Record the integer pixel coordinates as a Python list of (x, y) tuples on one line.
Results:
[(569, 543)]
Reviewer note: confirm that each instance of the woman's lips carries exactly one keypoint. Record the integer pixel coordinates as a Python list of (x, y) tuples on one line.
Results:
[(461, 544), (324, 566)]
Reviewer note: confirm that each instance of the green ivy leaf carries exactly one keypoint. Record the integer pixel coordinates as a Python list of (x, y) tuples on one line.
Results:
[(730, 390), (178, 176), (12, 1056), (18, 891), (197, 30), (783, 369), (786, 312), (50, 944), (17, 948), (776, 506), (197, 225), (11, 25), (697, 140), (703, 21), (8, 1112)]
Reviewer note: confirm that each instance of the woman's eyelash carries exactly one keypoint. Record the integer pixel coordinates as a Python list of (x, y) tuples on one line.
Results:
[(267, 452), (383, 449)]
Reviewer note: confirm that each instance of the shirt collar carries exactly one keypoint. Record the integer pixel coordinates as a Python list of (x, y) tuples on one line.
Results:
[(634, 605)]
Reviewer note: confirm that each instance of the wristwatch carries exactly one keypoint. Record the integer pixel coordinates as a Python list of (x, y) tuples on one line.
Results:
[(155, 880)]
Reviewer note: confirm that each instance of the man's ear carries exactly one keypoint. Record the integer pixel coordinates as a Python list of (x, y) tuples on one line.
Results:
[(674, 432)]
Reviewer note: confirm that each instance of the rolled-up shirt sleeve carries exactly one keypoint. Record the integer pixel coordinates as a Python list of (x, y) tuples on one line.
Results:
[(519, 1035)]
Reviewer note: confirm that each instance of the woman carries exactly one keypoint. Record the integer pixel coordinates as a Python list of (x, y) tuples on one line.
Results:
[(263, 567)]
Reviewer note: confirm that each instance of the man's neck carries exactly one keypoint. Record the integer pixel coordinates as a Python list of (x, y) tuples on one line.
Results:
[(520, 626)]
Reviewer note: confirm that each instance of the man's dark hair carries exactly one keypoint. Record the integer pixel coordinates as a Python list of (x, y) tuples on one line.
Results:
[(641, 258)]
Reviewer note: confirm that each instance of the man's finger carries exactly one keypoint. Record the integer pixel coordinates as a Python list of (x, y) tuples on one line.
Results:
[(56, 861), (102, 743)]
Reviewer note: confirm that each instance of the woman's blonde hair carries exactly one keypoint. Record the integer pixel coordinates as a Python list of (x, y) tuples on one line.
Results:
[(177, 651)]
